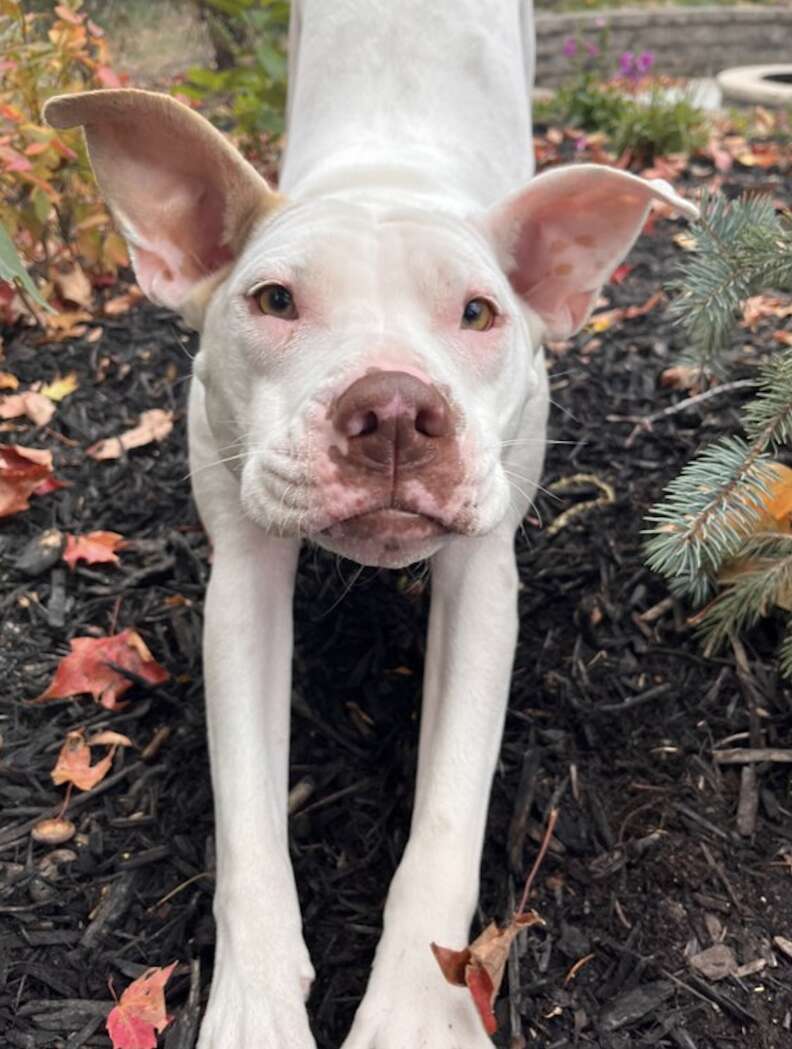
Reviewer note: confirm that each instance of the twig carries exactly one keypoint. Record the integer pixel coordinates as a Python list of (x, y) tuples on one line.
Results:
[(644, 422)]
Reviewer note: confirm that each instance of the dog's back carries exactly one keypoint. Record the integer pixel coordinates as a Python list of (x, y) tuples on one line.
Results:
[(368, 96)]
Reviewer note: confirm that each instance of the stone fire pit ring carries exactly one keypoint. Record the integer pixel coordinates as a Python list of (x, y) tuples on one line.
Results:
[(768, 85)]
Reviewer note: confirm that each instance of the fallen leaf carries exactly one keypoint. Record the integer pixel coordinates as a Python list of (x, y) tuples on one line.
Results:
[(110, 739), (784, 337), (73, 285), (22, 472), (8, 381), (757, 308), (682, 377), (121, 303), (620, 274), (38, 408), (74, 763), (135, 1020), (87, 669), (53, 831), (61, 387), (480, 966), (94, 548), (154, 425), (714, 963), (68, 324)]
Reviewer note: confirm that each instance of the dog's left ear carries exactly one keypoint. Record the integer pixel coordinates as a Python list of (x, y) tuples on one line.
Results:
[(183, 197), (560, 239)]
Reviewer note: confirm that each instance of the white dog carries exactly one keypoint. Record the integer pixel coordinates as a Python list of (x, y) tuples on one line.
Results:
[(371, 379)]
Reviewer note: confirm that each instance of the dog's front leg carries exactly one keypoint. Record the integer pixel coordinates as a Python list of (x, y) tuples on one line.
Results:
[(472, 634), (262, 970)]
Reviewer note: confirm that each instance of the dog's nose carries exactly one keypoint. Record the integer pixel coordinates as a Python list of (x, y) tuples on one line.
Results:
[(391, 419)]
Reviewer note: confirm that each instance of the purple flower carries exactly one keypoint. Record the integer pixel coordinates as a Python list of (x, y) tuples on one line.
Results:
[(592, 49), (644, 61), (570, 47), (627, 64)]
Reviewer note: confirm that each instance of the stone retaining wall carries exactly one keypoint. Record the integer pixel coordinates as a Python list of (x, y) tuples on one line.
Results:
[(687, 41)]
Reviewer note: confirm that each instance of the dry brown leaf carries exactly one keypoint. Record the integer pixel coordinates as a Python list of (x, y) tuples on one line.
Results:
[(154, 425), (53, 831), (73, 285), (759, 307), (121, 303), (480, 966), (682, 377), (35, 406), (8, 381), (93, 547)]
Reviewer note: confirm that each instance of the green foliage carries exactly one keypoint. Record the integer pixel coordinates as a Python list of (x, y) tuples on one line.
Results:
[(49, 204), (657, 125), (715, 526), (250, 38), (637, 114)]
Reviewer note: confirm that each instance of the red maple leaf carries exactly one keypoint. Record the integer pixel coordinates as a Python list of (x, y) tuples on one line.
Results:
[(22, 471), (87, 668), (135, 1019)]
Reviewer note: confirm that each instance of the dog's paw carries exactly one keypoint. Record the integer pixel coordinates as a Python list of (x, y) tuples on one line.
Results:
[(419, 1010), (254, 1020), (250, 1008)]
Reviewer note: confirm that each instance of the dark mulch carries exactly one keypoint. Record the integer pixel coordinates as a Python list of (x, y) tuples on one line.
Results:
[(647, 866)]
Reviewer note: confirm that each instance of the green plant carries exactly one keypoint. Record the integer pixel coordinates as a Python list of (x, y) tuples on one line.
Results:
[(726, 520), (658, 125), (250, 43), (48, 199), (639, 115)]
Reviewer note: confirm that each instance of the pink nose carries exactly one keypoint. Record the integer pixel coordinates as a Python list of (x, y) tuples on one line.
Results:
[(392, 419)]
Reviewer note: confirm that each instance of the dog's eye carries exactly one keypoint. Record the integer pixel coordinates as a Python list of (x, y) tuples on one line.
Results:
[(479, 315), (276, 301)]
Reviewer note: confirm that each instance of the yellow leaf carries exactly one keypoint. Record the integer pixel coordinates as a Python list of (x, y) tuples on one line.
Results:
[(61, 387)]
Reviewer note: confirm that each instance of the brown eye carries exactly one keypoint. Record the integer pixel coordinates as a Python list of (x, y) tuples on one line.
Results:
[(478, 315), (277, 301)]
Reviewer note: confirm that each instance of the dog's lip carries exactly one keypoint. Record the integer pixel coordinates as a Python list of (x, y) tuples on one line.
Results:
[(387, 523)]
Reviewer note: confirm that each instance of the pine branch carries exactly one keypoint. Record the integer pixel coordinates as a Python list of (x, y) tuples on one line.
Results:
[(707, 513), (765, 583), (742, 247)]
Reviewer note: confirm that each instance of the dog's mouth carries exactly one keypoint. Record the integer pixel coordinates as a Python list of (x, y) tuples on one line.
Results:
[(387, 525)]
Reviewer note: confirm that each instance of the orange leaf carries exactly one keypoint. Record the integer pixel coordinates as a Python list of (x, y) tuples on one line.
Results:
[(140, 1012), (87, 669), (94, 547), (22, 471), (8, 381), (74, 763), (154, 425)]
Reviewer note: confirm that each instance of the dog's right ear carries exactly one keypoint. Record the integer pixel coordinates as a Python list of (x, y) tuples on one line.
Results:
[(183, 197)]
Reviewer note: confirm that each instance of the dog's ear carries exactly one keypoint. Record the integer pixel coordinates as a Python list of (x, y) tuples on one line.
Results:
[(182, 196), (561, 237)]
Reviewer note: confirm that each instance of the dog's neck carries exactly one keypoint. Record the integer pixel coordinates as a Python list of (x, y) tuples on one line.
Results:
[(430, 98)]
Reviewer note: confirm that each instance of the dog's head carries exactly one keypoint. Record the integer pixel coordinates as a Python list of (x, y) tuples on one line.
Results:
[(373, 372)]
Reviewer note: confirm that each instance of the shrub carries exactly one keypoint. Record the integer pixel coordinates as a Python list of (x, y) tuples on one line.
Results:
[(637, 113), (48, 199), (250, 45)]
